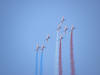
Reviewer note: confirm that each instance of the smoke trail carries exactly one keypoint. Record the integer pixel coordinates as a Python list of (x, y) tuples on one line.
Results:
[(41, 64), (71, 54), (60, 60), (36, 63), (57, 54)]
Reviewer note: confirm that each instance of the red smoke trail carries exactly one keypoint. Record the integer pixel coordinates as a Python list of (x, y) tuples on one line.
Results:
[(71, 54), (60, 62)]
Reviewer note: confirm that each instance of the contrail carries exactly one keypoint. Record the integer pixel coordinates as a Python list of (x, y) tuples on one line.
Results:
[(60, 60), (41, 64), (57, 54), (36, 63), (71, 54)]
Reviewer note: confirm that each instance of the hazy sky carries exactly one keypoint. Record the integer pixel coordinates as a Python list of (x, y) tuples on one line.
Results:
[(23, 23)]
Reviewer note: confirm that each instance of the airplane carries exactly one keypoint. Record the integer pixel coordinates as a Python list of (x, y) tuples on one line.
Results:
[(62, 19), (72, 27), (48, 37), (65, 29), (61, 37), (42, 47), (58, 27), (37, 47)]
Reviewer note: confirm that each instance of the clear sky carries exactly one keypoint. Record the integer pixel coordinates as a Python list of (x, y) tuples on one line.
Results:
[(23, 23)]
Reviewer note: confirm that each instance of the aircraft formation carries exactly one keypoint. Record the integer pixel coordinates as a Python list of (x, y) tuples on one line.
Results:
[(61, 35), (59, 27)]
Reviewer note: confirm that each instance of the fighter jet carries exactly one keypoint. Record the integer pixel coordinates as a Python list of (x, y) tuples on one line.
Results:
[(72, 27), (47, 38), (42, 47), (62, 19), (61, 37), (58, 27), (37, 47), (65, 29)]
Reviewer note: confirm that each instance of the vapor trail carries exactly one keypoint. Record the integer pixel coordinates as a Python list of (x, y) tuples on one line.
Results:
[(36, 63), (41, 63), (57, 54), (71, 54), (60, 60)]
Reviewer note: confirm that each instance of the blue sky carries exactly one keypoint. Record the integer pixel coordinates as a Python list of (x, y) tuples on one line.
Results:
[(24, 23)]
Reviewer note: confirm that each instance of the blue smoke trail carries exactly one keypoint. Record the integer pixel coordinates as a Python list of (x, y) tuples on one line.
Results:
[(36, 63), (41, 64)]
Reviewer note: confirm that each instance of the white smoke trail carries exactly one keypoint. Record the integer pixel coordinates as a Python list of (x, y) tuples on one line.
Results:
[(57, 54)]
